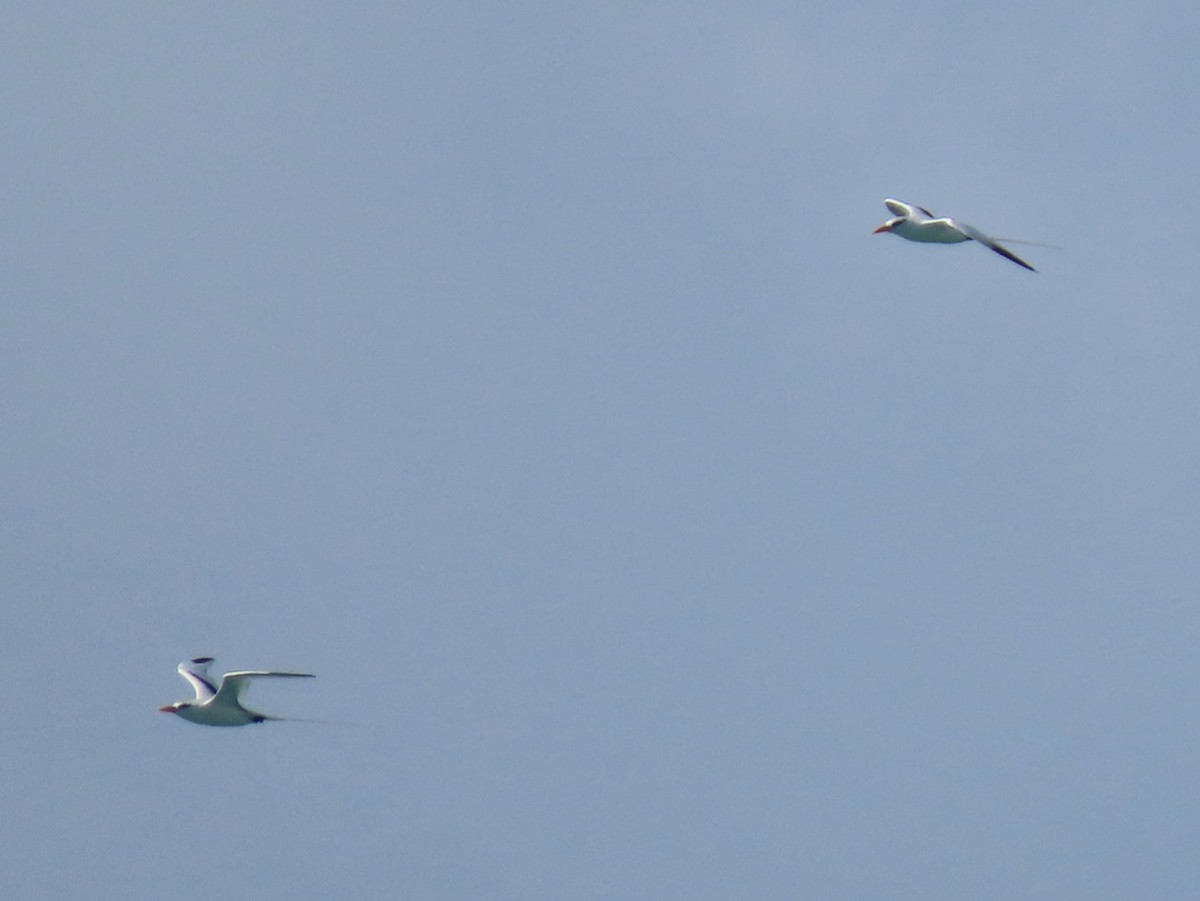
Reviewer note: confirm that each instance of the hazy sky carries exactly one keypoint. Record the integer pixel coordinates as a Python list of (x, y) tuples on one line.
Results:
[(530, 373)]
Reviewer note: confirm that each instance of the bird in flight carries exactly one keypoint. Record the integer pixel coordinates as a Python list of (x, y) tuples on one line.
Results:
[(918, 224), (221, 706)]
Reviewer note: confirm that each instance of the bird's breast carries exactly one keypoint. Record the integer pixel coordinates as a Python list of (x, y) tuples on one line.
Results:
[(935, 232)]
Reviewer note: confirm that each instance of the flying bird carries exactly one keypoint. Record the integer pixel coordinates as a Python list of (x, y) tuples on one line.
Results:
[(222, 706), (918, 224)]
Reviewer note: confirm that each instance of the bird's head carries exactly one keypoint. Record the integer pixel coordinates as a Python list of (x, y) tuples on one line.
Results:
[(889, 225), (174, 708)]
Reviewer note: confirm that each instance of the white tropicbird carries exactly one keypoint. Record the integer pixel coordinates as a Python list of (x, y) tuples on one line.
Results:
[(222, 706), (918, 224)]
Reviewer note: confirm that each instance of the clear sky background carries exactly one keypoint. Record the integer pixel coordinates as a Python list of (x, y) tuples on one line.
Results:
[(530, 373)]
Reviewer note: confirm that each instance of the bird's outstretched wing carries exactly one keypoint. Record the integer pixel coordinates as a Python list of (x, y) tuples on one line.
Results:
[(196, 672), (975, 234), (234, 685), (906, 210)]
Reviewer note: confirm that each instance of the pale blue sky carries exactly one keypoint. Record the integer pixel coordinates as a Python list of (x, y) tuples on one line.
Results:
[(533, 377)]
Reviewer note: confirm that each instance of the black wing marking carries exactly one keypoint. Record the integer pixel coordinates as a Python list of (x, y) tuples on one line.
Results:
[(1009, 255)]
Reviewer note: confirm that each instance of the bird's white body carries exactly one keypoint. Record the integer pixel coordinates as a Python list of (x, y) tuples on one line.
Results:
[(915, 223), (931, 231), (221, 706)]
